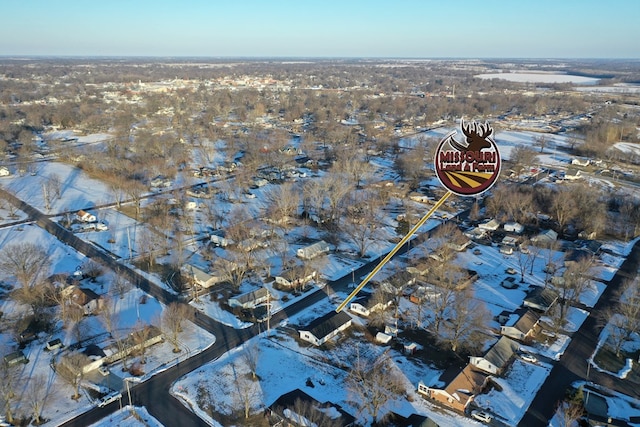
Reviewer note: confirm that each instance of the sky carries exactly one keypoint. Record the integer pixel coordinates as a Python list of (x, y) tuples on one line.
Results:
[(327, 28)]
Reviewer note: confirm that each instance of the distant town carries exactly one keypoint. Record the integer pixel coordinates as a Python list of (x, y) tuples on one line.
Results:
[(177, 235)]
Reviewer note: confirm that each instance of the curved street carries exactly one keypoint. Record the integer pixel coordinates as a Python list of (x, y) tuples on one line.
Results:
[(154, 392)]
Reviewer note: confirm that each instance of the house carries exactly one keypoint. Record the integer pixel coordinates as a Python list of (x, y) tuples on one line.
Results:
[(364, 305), (396, 282), (523, 328), (297, 408), (202, 278), (314, 250), (580, 162), (572, 175), (420, 198), (4, 171), (498, 358), (513, 227), (88, 300), (152, 335), (545, 237), (413, 420), (160, 181), (510, 241), (220, 240), (296, 276), (85, 216), (326, 327), (250, 299), (491, 225), (540, 298), (459, 392), (459, 245), (475, 233)]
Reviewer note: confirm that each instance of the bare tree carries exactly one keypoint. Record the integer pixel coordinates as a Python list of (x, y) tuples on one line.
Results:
[(523, 157), (140, 335), (575, 281), (251, 356), (71, 369), (173, 317), (38, 391), (27, 262), (75, 317), (247, 393), (464, 329), (373, 383), (362, 220), (108, 314), (8, 381)]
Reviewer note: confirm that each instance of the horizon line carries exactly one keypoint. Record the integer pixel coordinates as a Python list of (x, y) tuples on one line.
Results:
[(313, 58)]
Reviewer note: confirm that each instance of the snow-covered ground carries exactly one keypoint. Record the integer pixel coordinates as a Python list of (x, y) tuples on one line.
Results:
[(78, 191)]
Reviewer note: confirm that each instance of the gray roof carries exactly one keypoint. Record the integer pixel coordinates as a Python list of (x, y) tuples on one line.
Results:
[(502, 352), (251, 296)]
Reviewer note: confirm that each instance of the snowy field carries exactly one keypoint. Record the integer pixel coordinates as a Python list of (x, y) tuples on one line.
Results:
[(540, 77)]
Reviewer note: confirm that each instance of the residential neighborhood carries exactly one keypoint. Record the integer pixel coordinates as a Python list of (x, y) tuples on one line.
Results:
[(184, 256)]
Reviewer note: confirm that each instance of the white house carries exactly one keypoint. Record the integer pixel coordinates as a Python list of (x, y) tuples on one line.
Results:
[(296, 276), (314, 250), (85, 216), (4, 171), (364, 306), (513, 227), (326, 327), (491, 225), (496, 360), (250, 299), (202, 278), (545, 236), (523, 328)]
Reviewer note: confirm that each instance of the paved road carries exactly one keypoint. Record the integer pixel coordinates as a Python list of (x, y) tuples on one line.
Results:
[(573, 364)]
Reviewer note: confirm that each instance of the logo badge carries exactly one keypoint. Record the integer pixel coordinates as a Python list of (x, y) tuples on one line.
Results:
[(468, 168)]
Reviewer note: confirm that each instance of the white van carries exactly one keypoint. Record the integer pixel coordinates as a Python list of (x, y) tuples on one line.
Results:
[(111, 397)]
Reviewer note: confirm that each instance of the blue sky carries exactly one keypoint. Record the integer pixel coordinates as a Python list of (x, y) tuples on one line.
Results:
[(328, 28)]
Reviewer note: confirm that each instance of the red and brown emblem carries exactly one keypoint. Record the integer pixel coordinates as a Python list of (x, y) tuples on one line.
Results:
[(468, 168)]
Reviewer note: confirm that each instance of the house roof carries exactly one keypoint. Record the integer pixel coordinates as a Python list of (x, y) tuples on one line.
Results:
[(197, 274), (323, 326), (252, 296), (466, 384), (502, 352), (541, 296), (527, 321), (288, 401)]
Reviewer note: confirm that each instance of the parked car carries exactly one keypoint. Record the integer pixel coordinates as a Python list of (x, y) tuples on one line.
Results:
[(111, 397), (54, 344), (528, 358), (481, 416)]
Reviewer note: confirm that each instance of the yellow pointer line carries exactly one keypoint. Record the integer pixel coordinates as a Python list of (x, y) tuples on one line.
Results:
[(393, 251)]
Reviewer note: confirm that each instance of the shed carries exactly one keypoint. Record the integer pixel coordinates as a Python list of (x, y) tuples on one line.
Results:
[(383, 338), (15, 358)]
